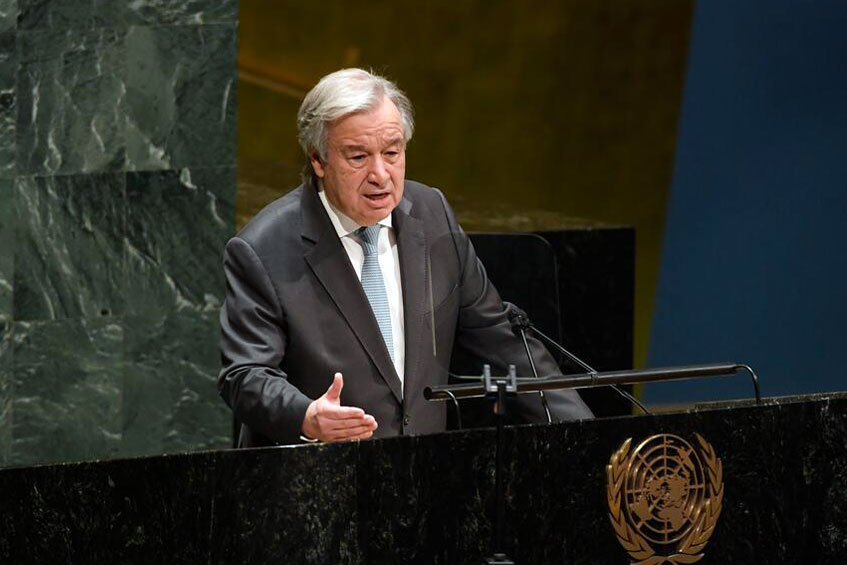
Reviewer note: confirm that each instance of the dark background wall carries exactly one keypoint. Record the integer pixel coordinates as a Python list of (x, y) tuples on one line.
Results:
[(754, 263), (117, 186)]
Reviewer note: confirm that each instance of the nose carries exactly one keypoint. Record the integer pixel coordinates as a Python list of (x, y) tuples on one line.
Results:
[(378, 174)]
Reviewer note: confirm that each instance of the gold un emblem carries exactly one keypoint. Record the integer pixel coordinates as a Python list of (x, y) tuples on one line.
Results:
[(664, 498)]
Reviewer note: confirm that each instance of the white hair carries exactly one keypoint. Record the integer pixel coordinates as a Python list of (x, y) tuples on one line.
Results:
[(340, 94)]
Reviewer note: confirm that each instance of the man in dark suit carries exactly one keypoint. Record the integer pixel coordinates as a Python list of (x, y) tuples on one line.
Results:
[(349, 295)]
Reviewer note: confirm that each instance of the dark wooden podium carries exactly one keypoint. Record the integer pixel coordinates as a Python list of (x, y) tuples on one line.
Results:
[(430, 499)]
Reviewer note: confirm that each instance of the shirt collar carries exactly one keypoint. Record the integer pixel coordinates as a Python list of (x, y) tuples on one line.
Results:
[(342, 223)]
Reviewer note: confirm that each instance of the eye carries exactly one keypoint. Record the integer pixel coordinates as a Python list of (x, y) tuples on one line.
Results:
[(358, 158)]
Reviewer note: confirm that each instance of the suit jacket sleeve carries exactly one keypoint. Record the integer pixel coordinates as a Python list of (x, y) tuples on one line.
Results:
[(484, 335), (253, 343)]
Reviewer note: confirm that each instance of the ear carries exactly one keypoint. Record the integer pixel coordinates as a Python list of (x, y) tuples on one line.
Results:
[(317, 165)]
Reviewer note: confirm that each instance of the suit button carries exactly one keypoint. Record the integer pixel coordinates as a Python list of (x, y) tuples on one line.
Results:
[(407, 420)]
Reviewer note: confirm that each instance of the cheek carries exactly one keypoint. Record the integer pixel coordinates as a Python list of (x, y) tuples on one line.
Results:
[(351, 182), (398, 170), (354, 179)]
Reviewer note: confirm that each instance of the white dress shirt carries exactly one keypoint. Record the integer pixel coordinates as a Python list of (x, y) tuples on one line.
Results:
[(389, 264)]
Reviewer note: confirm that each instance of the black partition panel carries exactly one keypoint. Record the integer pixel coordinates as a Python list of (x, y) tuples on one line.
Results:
[(523, 268), (578, 286)]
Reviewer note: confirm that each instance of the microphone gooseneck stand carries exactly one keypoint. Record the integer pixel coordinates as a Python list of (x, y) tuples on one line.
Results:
[(520, 321), (522, 329)]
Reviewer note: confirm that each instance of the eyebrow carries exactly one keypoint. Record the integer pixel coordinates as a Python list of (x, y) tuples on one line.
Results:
[(363, 149), (395, 141)]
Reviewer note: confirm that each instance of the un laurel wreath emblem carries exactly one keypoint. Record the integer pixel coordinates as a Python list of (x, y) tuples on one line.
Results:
[(664, 498)]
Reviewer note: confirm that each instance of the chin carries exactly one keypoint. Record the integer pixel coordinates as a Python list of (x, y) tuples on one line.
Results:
[(373, 218), (373, 215)]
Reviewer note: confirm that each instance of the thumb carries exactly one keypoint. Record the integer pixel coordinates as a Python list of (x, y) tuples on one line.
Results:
[(334, 391)]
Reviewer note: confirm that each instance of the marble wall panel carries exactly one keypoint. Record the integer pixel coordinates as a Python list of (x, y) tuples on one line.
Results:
[(7, 248), (8, 115), (67, 397), (70, 101), (8, 14), (170, 399), (5, 393), (88, 14), (177, 225), (49, 14), (111, 282), (180, 96), (69, 253), (168, 12)]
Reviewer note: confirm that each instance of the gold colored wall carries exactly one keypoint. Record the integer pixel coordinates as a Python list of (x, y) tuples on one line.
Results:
[(527, 113)]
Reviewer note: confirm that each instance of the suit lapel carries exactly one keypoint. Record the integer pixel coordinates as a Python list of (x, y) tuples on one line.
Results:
[(331, 266), (412, 251)]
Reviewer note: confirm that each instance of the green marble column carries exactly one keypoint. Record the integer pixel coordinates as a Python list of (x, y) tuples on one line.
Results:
[(5, 393), (7, 249), (117, 191)]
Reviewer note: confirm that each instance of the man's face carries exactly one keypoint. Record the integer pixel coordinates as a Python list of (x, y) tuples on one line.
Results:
[(366, 163)]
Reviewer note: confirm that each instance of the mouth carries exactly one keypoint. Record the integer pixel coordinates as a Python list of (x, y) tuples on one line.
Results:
[(378, 197)]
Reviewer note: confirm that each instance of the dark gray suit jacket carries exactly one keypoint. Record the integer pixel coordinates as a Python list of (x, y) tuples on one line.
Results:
[(295, 313)]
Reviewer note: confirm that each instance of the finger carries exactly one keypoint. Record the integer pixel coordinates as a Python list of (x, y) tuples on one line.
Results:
[(333, 412), (334, 391), (351, 433), (340, 425)]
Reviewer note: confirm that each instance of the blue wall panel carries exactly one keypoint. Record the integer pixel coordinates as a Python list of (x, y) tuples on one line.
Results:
[(755, 256)]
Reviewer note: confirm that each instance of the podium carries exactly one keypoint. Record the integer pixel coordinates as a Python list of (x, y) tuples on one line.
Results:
[(430, 499)]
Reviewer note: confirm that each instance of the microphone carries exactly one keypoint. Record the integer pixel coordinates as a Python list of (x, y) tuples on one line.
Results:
[(520, 321)]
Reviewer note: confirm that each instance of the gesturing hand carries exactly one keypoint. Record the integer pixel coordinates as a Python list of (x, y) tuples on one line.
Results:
[(327, 420)]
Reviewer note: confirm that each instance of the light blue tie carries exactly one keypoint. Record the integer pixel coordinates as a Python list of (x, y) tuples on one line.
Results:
[(374, 285)]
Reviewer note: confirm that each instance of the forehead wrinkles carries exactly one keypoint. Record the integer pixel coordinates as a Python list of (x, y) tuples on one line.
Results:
[(378, 135)]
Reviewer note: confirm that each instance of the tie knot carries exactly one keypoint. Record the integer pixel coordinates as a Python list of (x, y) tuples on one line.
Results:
[(369, 236)]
